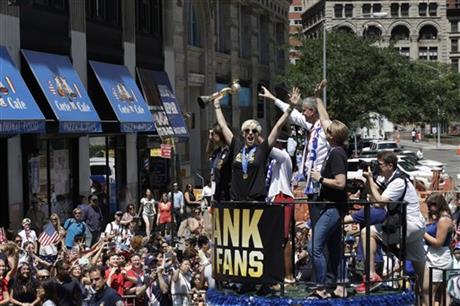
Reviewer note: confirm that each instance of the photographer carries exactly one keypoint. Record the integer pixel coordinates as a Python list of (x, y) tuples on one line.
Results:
[(158, 288), (137, 287), (397, 188)]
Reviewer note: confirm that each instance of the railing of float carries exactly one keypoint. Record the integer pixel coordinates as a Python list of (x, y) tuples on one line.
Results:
[(247, 241), (449, 287)]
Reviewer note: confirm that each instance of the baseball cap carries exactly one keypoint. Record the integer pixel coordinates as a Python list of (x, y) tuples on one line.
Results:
[(26, 221), (119, 212), (94, 197)]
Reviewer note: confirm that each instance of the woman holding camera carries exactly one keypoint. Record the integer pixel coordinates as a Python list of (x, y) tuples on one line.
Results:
[(332, 179)]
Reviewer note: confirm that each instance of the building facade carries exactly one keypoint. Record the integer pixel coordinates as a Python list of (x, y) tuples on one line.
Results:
[(295, 28), (453, 15), (53, 168), (417, 29), (215, 42)]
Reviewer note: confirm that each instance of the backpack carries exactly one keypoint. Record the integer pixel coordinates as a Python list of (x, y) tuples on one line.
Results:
[(393, 221)]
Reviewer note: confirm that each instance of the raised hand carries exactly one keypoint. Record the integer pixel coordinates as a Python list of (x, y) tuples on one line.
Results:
[(319, 87), (294, 96), (266, 94), (217, 101)]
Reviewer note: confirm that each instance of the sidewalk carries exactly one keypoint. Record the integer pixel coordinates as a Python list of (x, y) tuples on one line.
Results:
[(426, 145)]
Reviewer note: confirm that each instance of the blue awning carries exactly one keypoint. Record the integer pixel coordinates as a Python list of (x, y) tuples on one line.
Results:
[(64, 91), (19, 113), (124, 96), (168, 99)]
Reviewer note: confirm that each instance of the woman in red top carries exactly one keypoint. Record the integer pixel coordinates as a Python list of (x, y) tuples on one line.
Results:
[(165, 216)]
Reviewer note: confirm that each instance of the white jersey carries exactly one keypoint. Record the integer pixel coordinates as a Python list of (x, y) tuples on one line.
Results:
[(281, 173)]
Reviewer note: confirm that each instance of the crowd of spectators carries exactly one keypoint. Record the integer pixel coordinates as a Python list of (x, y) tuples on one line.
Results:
[(148, 255)]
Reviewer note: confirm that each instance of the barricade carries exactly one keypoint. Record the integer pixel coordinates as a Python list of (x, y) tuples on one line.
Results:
[(236, 241), (450, 285)]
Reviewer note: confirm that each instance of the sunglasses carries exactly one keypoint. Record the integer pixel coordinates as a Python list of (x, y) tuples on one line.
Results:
[(43, 276), (254, 131), (77, 213)]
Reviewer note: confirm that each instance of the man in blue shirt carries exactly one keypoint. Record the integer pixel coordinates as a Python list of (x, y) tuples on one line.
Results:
[(92, 216)]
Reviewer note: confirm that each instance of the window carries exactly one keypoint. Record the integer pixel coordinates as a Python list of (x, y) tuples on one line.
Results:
[(264, 39), (279, 49), (433, 9), (338, 11), (400, 32), (222, 32), (193, 27), (405, 9), (105, 11), (148, 17), (405, 51), (298, 21), (454, 45), (428, 53), (454, 26), (376, 8), (422, 7), (348, 10), (297, 8), (372, 32), (428, 32), (245, 32), (366, 10), (394, 10), (455, 64), (60, 5)]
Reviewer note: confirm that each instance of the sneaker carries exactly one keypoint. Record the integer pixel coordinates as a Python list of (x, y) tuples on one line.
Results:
[(376, 281)]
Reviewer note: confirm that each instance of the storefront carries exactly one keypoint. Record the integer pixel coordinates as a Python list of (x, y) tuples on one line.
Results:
[(124, 113), (19, 114), (51, 161)]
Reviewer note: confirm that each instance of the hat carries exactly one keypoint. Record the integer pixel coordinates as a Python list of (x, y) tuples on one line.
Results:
[(119, 212), (94, 197), (175, 185), (283, 137), (26, 221), (457, 246), (150, 261), (350, 239)]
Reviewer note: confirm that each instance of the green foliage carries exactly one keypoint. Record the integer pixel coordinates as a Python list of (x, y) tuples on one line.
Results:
[(364, 78)]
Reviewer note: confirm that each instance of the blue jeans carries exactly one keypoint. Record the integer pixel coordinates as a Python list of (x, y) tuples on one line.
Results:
[(327, 232)]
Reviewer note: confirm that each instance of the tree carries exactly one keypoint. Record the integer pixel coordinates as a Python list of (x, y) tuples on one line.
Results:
[(364, 78)]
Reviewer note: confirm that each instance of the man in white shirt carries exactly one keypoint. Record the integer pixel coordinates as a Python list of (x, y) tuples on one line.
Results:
[(397, 188), (279, 176), (315, 151), (177, 199)]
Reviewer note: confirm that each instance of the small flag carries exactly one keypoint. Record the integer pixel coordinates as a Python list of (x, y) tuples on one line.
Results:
[(2, 235), (49, 235)]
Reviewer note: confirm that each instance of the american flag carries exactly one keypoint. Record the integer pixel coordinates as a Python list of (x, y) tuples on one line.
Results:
[(49, 235)]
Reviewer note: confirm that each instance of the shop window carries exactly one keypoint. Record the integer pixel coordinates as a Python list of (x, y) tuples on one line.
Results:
[(433, 9), (405, 9), (348, 10), (454, 45), (50, 177), (422, 8), (104, 11), (394, 10), (148, 17), (338, 11)]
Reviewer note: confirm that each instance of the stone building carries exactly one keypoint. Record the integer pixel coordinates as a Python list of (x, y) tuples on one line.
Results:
[(418, 29), (211, 43), (453, 15)]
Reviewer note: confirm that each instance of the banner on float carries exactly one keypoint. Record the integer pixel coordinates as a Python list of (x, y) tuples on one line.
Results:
[(247, 240)]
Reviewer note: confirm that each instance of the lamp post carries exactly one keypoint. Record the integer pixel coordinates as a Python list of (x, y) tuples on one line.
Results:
[(438, 125), (325, 28)]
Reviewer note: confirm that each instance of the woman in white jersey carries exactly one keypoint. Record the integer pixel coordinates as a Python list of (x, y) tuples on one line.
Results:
[(147, 208)]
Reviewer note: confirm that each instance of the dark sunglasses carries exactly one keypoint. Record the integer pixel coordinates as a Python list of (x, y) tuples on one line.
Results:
[(254, 131), (77, 213), (43, 276)]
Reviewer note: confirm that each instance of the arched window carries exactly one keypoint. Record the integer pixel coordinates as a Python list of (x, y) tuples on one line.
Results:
[(345, 29), (372, 32), (400, 32), (428, 32), (193, 27)]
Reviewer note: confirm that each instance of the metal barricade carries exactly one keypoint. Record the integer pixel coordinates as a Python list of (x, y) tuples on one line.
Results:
[(450, 284)]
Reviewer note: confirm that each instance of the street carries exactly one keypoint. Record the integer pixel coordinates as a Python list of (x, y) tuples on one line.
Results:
[(447, 154)]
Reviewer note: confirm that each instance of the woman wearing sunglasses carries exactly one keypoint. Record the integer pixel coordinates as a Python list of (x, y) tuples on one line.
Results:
[(250, 154)]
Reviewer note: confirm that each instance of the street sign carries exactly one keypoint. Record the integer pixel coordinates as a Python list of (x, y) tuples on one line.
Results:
[(166, 150)]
